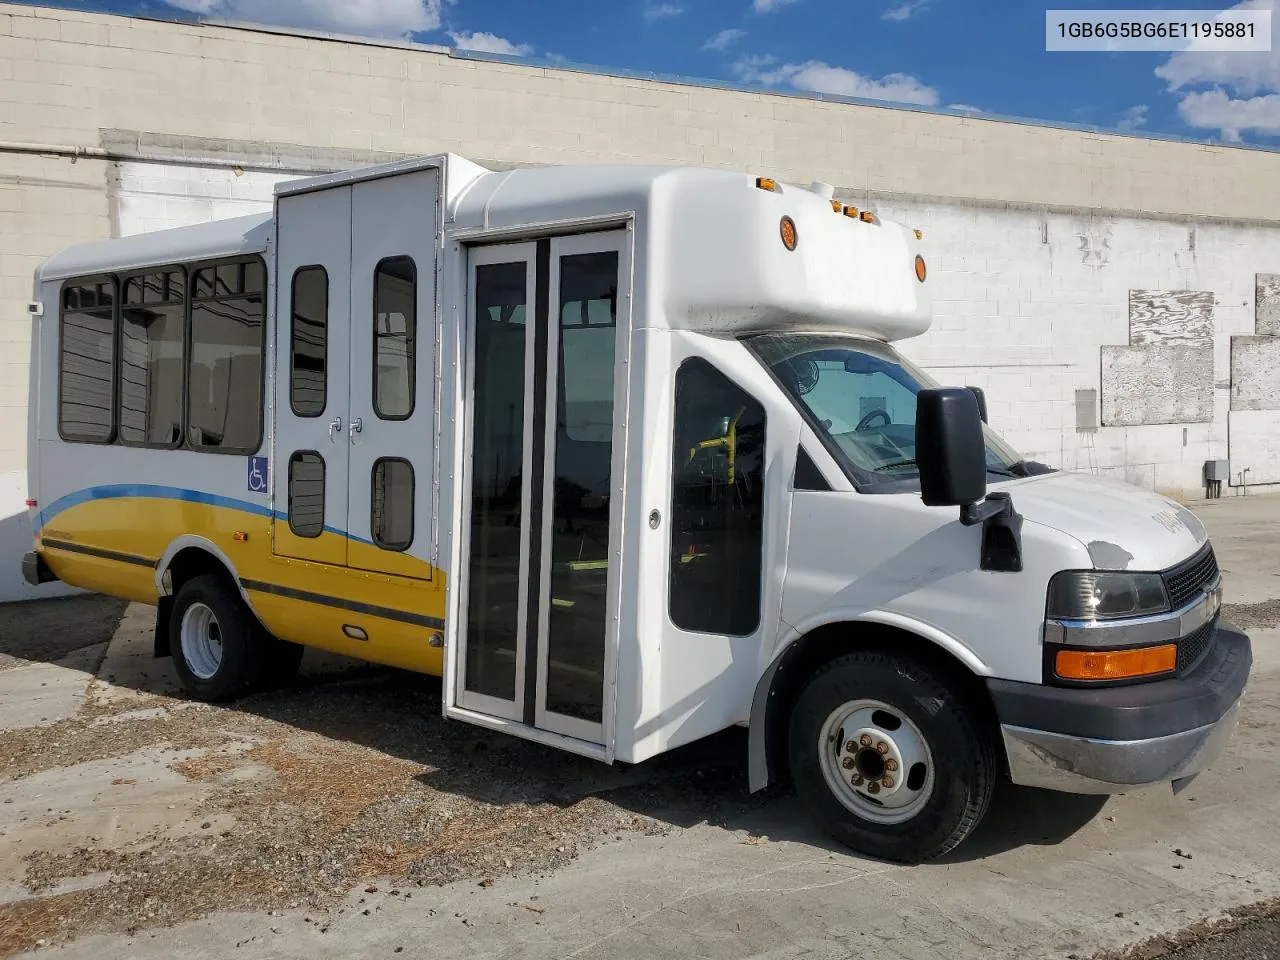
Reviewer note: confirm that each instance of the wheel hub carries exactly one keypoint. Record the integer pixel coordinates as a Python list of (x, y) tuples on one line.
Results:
[(876, 761)]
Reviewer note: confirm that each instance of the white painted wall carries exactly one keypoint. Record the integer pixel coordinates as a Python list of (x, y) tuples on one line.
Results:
[(1025, 299)]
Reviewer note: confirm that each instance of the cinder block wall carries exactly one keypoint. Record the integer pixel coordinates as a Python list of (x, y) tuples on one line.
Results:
[(1040, 234)]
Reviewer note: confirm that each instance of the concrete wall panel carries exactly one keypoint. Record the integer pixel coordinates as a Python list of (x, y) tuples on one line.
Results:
[(1267, 305), (1255, 373), (1165, 383), (1255, 444)]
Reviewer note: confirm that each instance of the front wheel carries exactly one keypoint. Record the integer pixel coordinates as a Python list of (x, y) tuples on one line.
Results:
[(893, 761)]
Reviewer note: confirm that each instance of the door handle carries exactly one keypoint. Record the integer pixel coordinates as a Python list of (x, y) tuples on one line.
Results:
[(357, 425), (335, 426)]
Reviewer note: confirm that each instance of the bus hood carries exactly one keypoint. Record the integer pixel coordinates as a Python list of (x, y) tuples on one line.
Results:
[(1123, 527)]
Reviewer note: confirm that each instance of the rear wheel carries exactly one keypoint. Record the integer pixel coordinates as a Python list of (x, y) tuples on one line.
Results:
[(890, 758), (219, 648)]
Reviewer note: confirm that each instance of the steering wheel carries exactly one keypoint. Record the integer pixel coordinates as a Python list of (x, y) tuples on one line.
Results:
[(866, 421)]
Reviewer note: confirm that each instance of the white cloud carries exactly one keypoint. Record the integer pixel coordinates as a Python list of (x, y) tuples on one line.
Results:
[(661, 11), (1215, 109), (905, 10), (724, 39), (1238, 92), (819, 77), (1133, 118), (490, 43), (964, 108), (392, 18), (769, 6)]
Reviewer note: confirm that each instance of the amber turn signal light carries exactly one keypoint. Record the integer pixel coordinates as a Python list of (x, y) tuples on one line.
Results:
[(920, 272), (788, 230), (764, 183), (1116, 664)]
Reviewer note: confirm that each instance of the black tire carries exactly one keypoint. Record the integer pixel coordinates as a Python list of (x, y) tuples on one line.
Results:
[(243, 663), (963, 749)]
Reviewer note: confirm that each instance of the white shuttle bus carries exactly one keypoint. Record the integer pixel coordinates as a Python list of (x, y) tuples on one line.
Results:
[(626, 455)]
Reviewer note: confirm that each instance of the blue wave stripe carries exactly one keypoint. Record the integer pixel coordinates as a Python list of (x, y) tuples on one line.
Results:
[(155, 492)]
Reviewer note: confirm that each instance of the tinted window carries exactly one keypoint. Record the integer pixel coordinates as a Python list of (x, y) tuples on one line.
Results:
[(87, 362), (225, 369), (152, 320), (587, 328), (392, 504), (306, 494), (309, 342), (395, 324), (717, 509)]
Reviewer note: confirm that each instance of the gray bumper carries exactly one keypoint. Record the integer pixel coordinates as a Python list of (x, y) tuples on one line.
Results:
[(35, 571), (1056, 761), (1114, 738)]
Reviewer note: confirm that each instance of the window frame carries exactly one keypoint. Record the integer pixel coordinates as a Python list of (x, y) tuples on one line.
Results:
[(324, 489), (194, 267), (123, 279), (413, 366), (413, 496), (293, 340), (92, 278), (671, 499)]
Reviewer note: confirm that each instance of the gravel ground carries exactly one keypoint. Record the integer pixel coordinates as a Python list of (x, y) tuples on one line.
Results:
[(319, 788), (1249, 933)]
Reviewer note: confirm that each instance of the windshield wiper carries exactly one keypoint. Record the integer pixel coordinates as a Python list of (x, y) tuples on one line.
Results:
[(895, 463)]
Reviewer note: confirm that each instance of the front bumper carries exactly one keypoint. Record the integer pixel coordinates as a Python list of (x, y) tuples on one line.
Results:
[(1109, 740)]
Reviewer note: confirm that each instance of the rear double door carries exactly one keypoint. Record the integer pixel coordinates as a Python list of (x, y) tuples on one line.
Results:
[(354, 402), (546, 339)]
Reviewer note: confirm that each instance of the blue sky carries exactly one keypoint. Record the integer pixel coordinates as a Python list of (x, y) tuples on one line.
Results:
[(983, 55)]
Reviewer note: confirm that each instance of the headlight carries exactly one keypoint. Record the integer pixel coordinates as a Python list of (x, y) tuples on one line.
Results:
[(1088, 595)]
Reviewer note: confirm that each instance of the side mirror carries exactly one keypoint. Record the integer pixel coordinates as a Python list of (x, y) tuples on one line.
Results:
[(982, 402), (951, 451)]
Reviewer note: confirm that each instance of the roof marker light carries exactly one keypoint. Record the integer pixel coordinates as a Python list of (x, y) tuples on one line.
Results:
[(851, 212), (788, 230), (764, 183), (837, 206), (868, 217), (919, 234)]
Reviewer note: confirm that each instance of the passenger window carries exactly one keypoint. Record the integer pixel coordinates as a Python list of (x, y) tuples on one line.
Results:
[(306, 494), (392, 523), (86, 365), (717, 509), (153, 318), (587, 332), (224, 386), (308, 386), (395, 321)]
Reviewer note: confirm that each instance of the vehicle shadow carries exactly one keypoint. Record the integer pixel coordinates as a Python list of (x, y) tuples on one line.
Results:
[(398, 714)]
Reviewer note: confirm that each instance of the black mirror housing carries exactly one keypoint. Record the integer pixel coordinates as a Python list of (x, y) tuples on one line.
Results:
[(982, 402), (951, 452)]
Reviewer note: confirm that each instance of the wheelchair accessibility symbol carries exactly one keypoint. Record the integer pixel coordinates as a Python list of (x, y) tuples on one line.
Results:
[(258, 474)]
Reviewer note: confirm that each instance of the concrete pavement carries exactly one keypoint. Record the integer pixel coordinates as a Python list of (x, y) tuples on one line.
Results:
[(1046, 876)]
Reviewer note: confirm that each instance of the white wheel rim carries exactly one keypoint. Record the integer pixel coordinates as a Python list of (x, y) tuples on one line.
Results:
[(201, 641), (876, 762)]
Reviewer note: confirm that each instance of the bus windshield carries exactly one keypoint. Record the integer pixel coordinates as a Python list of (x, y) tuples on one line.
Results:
[(860, 396)]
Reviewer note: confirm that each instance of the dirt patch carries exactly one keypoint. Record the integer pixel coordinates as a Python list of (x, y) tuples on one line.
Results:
[(1172, 945), (1252, 616), (49, 630), (316, 789)]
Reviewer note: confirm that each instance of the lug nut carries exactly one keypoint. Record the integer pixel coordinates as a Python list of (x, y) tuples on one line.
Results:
[(858, 780), (888, 782), (891, 764), (882, 747), (873, 786), (865, 740), (847, 763)]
